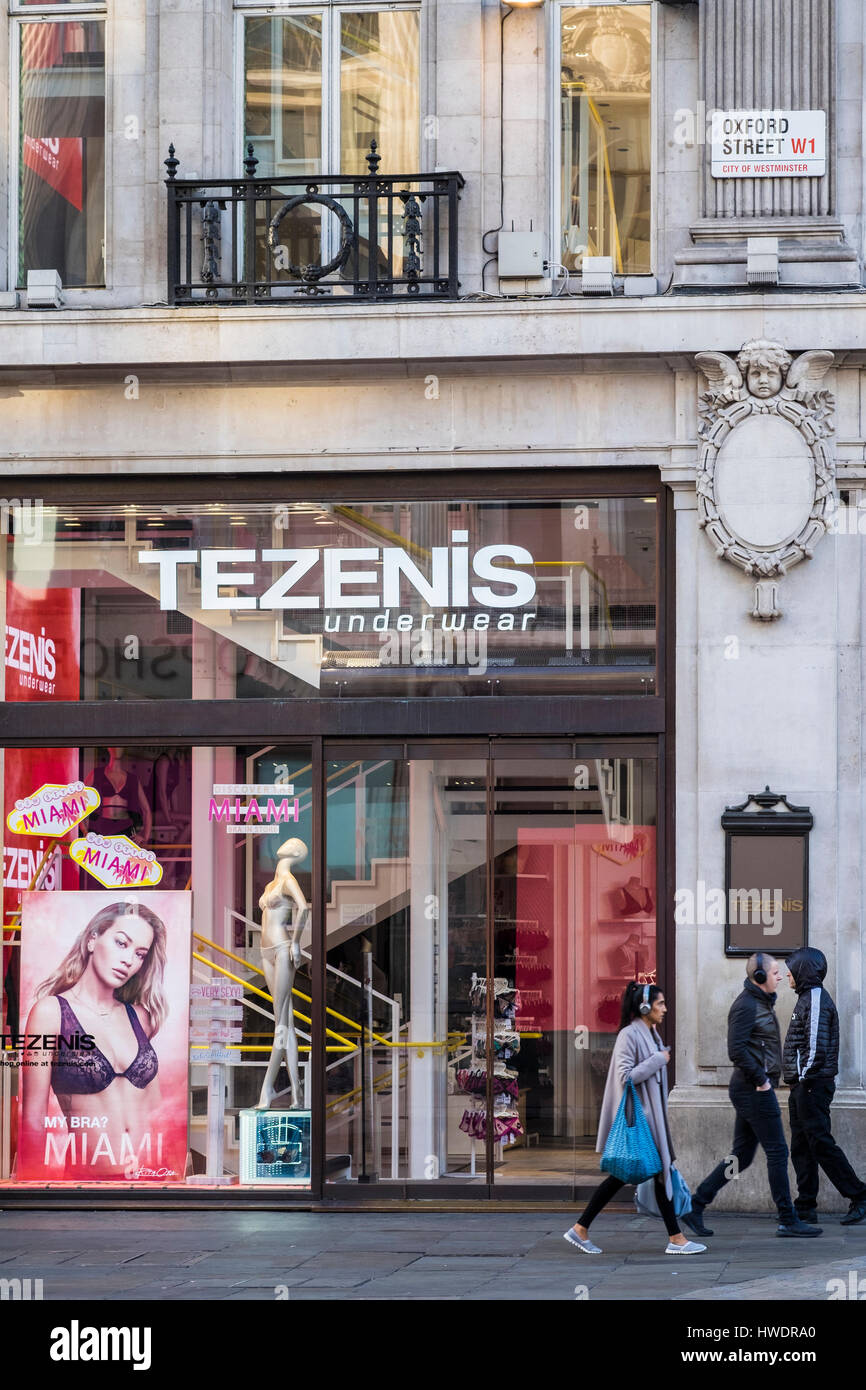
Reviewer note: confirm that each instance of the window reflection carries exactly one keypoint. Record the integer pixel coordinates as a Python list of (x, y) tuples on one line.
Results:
[(606, 135), (61, 222), (336, 599), (178, 848)]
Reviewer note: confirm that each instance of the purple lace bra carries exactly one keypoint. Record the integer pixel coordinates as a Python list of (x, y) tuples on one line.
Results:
[(91, 1072)]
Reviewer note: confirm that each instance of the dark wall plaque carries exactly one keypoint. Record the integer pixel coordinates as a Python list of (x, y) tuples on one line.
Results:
[(766, 875)]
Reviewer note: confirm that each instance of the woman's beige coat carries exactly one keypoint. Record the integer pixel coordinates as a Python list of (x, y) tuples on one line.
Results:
[(636, 1055)]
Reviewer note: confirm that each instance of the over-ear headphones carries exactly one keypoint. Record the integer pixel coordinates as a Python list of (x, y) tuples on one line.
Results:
[(759, 974), (645, 1005)]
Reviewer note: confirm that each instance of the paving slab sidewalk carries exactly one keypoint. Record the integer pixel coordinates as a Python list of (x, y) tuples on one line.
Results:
[(416, 1255)]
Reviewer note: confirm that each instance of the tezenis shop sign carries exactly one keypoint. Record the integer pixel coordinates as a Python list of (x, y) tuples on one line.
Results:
[(329, 572)]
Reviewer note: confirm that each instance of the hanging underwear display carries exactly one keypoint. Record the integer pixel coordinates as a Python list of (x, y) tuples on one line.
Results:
[(474, 1082)]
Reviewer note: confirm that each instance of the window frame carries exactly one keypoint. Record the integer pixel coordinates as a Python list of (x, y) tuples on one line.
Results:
[(330, 12), (555, 50), (95, 11), (18, 9), (238, 720)]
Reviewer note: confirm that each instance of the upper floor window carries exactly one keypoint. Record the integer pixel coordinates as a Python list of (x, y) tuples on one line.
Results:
[(60, 186), (605, 134), (321, 83)]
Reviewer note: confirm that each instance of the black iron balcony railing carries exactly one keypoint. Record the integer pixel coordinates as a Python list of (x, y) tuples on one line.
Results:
[(318, 239)]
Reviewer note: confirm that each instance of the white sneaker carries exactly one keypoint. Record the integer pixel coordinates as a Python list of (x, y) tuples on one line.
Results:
[(691, 1247), (585, 1245)]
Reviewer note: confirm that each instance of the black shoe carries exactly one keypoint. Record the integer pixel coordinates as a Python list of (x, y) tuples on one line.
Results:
[(797, 1228), (695, 1221), (810, 1215), (855, 1213)]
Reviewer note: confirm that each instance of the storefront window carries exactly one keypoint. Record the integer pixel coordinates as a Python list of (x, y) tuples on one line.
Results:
[(605, 133), (156, 966), (482, 907), (324, 960), (335, 600), (61, 157)]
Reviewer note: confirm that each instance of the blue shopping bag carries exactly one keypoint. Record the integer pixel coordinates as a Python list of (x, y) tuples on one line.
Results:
[(630, 1153), (645, 1196)]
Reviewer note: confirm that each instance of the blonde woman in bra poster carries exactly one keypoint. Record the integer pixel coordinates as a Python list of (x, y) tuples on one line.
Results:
[(105, 988)]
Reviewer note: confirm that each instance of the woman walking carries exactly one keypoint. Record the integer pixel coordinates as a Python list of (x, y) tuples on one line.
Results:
[(639, 1056)]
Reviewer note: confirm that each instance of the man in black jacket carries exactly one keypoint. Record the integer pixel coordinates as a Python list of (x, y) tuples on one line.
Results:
[(755, 1049), (810, 1061)]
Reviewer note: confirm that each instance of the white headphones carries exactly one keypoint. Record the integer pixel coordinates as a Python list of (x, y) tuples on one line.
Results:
[(645, 1006)]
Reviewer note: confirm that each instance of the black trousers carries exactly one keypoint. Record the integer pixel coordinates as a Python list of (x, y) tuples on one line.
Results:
[(813, 1145), (608, 1190), (759, 1121)]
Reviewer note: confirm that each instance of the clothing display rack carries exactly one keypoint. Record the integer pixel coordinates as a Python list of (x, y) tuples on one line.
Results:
[(472, 1081)]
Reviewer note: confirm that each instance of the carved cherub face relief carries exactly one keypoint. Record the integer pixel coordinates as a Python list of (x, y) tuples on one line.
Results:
[(764, 379), (763, 365)]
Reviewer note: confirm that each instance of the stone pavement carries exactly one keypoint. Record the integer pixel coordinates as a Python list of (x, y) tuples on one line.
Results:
[(409, 1254)]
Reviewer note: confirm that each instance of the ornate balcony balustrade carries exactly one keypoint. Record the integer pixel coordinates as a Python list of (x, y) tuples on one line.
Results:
[(316, 239)]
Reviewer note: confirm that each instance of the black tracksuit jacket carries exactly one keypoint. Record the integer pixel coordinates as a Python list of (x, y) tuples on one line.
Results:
[(811, 1049)]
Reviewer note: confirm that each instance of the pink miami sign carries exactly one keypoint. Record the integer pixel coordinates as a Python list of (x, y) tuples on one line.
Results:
[(53, 809), (253, 807), (116, 862)]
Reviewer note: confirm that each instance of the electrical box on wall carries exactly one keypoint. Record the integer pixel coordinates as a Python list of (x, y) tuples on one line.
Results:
[(522, 263), (521, 255)]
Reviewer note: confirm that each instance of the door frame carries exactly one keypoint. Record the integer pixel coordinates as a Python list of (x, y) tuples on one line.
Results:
[(407, 1189)]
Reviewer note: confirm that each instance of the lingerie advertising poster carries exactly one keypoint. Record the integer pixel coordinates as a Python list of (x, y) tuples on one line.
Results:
[(105, 1019), (42, 663)]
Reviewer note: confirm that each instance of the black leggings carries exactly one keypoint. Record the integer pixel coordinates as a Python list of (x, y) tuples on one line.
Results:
[(611, 1186)]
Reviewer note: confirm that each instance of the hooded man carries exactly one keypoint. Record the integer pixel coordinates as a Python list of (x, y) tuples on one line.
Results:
[(810, 1061)]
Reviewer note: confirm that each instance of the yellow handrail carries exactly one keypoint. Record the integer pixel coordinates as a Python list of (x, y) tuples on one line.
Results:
[(306, 997), (257, 1047), (212, 965)]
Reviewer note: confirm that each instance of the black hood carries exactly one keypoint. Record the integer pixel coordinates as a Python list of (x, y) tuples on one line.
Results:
[(808, 967)]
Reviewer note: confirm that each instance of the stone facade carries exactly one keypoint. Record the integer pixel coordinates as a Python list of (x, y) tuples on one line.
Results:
[(553, 382)]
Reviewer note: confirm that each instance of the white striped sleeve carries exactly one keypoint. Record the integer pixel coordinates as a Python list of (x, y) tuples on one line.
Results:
[(814, 1016)]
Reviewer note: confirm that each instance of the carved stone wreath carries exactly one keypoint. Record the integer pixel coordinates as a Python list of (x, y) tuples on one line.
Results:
[(764, 381)]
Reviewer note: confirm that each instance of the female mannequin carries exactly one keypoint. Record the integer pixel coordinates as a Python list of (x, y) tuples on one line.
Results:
[(281, 956), (122, 800)]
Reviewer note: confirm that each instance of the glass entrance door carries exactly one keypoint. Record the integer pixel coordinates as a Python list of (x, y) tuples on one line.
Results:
[(573, 920), (406, 924), (485, 907)]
